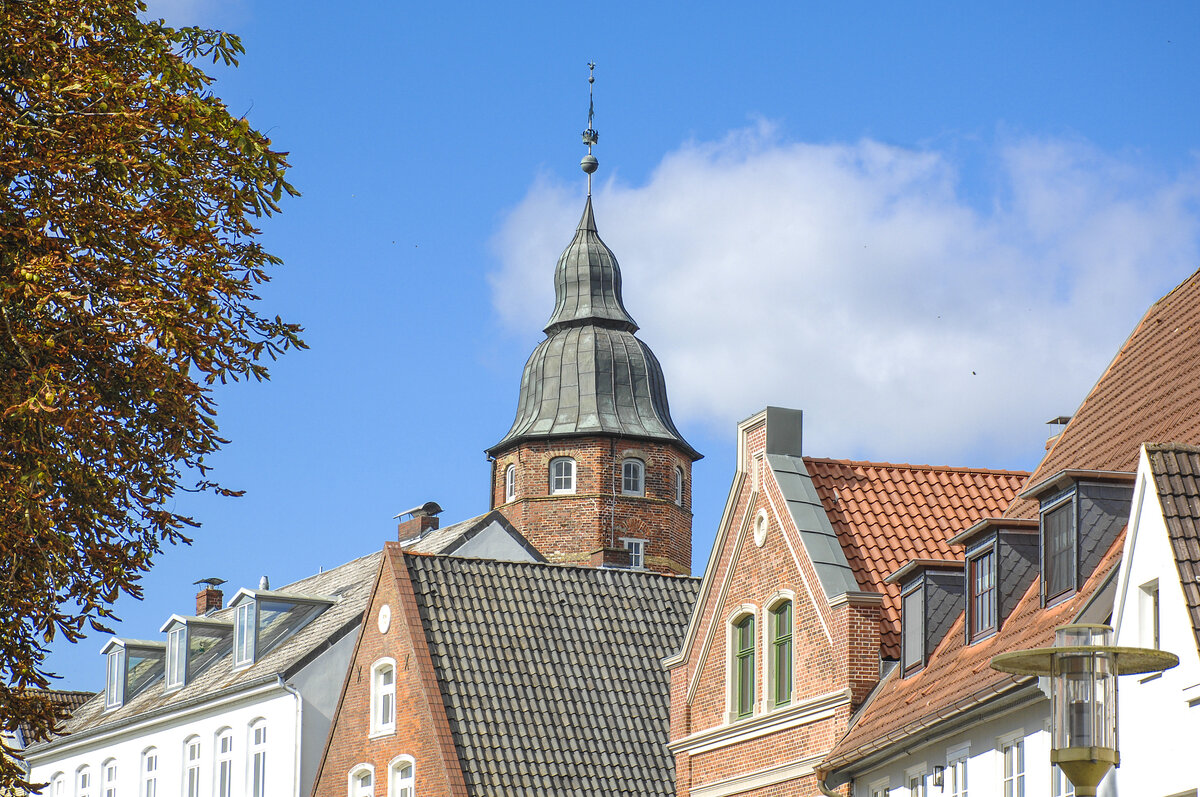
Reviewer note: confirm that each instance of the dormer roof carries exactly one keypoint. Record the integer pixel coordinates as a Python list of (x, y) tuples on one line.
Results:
[(988, 524), (278, 595), (207, 620), (1068, 476)]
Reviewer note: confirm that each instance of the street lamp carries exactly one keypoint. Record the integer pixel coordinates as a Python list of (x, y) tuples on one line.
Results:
[(1083, 667)]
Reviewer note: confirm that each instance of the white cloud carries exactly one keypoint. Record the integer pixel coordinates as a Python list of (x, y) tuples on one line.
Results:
[(856, 282)]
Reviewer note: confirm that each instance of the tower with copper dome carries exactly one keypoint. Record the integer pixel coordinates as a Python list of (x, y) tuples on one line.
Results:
[(593, 470)]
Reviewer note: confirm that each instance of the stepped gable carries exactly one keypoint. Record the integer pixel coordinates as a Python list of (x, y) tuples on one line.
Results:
[(591, 375), (1176, 470), (888, 514), (552, 676), (1149, 392)]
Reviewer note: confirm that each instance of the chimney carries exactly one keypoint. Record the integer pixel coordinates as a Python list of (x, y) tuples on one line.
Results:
[(1061, 423), (416, 521), (210, 598), (609, 557)]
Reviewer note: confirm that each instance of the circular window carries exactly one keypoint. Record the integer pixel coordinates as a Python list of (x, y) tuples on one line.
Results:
[(385, 618), (760, 528)]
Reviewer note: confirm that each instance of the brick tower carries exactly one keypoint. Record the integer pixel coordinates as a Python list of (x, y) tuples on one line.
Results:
[(593, 470)]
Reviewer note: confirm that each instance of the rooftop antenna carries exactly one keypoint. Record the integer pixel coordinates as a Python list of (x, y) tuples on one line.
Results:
[(589, 164)]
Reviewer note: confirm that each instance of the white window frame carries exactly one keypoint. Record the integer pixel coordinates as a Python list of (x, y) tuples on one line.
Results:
[(510, 483), (1014, 742), (878, 789), (1060, 784), (398, 787), (356, 789), (678, 485), (108, 778), (731, 667), (920, 776), (1149, 616), (192, 751), (637, 552), (223, 762), (633, 477), (555, 479), (148, 773), (58, 784), (383, 698), (114, 683), (245, 633), (256, 761), (956, 782), (83, 781), (176, 665)]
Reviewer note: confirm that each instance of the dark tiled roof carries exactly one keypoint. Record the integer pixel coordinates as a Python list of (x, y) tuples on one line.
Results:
[(1176, 470), (551, 675), (1150, 391), (591, 375), (67, 701), (449, 539), (886, 515)]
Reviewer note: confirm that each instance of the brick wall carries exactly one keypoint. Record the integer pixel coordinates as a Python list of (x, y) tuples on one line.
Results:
[(568, 528)]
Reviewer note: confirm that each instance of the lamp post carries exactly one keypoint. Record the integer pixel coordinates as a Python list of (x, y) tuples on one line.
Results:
[(1083, 667)]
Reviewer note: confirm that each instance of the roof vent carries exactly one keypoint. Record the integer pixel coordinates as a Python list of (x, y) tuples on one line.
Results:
[(418, 520), (1060, 423)]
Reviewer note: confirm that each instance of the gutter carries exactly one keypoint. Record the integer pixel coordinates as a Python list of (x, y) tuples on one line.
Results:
[(291, 690)]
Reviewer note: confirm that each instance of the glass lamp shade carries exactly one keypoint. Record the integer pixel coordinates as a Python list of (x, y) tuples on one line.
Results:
[(1083, 701)]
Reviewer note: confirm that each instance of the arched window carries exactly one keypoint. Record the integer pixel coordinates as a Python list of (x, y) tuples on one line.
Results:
[(510, 482), (58, 785), (361, 781), (108, 778), (83, 781), (258, 758), (633, 477), (781, 653), (223, 771), (383, 697), (562, 476), (191, 767), (742, 666), (149, 776), (402, 777), (678, 486)]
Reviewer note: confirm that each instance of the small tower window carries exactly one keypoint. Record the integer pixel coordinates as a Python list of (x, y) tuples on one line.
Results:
[(510, 482), (633, 477), (637, 552), (562, 476), (678, 486)]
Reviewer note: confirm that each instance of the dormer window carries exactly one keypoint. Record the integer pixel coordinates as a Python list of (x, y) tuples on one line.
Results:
[(192, 644), (913, 638), (263, 619), (132, 664), (114, 684), (981, 607), (633, 477), (176, 657), (1058, 548)]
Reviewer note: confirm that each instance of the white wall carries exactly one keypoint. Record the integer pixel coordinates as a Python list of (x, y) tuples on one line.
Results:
[(168, 734), (1159, 730)]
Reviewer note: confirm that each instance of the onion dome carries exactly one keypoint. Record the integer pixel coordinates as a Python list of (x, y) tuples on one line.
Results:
[(591, 375)]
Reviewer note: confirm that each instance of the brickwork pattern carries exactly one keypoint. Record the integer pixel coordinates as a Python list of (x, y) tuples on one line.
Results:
[(568, 528)]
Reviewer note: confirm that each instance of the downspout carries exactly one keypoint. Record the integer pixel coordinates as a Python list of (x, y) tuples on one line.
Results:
[(825, 789), (492, 485), (299, 732)]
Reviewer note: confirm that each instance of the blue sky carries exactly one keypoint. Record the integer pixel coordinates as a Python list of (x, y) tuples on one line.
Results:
[(928, 225)]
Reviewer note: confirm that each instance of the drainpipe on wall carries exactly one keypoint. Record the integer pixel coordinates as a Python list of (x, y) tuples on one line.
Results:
[(299, 732), (825, 789)]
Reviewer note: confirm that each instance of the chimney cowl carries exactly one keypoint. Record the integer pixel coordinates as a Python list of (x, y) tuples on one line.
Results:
[(418, 520)]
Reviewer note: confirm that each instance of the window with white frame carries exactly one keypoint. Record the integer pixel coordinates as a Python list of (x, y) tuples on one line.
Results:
[(633, 477), (1012, 754), (383, 697), (637, 551), (149, 785), (510, 482), (1060, 784), (108, 778), (361, 781), (742, 666), (879, 790), (678, 486), (244, 633), (562, 476), (258, 758), (402, 780), (176, 658), (223, 768), (83, 781), (916, 784), (114, 684), (1148, 623), (191, 767), (58, 785), (955, 784)]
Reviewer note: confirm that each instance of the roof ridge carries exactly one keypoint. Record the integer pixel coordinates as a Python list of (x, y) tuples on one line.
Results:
[(916, 466), (559, 565), (1188, 447)]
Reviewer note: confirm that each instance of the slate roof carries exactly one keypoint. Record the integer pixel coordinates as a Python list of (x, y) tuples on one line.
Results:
[(1149, 392), (1176, 469), (552, 675), (885, 515), (350, 584), (591, 375)]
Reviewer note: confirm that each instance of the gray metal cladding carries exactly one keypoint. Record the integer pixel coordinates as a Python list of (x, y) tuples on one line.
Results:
[(587, 282), (1103, 512), (943, 605), (551, 676), (1017, 567)]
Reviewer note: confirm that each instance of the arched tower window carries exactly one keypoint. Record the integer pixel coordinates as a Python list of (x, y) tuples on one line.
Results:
[(562, 476), (678, 486), (633, 477), (510, 482)]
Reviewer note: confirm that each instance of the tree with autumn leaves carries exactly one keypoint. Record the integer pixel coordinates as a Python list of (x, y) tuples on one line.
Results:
[(129, 264)]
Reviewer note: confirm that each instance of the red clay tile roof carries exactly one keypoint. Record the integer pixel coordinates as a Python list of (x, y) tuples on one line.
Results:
[(958, 676), (886, 515), (1176, 470), (1150, 391)]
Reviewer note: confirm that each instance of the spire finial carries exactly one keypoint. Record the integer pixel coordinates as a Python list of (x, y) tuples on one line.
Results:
[(589, 164)]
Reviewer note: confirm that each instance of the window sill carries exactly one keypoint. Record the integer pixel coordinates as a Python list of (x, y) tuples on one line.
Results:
[(982, 636), (379, 733)]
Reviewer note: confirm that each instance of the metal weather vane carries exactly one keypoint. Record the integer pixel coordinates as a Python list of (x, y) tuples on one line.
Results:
[(589, 164)]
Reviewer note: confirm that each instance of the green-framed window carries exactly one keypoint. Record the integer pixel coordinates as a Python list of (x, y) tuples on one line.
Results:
[(781, 651), (743, 666)]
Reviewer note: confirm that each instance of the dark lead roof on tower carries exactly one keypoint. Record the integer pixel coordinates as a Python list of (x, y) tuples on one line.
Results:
[(591, 375)]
